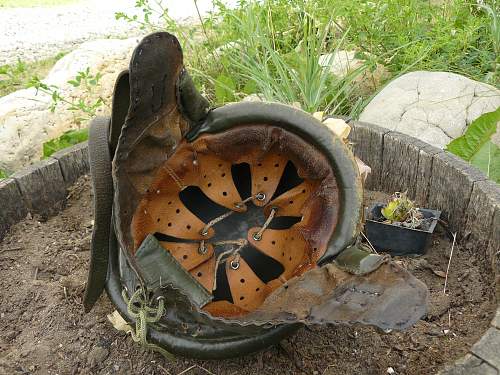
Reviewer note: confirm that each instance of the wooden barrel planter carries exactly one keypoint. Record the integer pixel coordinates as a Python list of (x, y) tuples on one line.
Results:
[(469, 202)]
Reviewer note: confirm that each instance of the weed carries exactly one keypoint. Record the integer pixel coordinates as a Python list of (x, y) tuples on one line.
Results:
[(67, 139), (85, 107), (17, 76)]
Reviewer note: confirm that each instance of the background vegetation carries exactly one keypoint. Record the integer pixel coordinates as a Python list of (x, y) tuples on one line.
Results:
[(17, 76), (273, 48)]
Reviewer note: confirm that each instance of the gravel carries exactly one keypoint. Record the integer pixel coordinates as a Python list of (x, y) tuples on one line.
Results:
[(36, 33)]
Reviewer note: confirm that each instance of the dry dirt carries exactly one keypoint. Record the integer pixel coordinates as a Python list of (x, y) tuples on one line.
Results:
[(43, 329)]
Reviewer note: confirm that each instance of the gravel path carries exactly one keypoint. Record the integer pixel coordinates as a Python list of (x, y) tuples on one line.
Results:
[(36, 33)]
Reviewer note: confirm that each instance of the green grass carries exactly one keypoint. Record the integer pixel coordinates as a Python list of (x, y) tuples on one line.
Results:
[(403, 35), (17, 76), (292, 75), (34, 3), (279, 41)]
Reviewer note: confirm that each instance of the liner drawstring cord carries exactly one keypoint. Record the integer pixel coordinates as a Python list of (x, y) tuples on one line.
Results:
[(139, 309)]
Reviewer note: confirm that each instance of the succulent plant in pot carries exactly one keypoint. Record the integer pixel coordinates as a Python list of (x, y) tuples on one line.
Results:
[(399, 227)]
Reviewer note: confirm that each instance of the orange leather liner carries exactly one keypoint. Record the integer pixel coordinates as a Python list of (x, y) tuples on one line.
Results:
[(266, 174), (224, 309), (187, 254), (286, 246), (247, 289), (291, 203), (206, 163), (205, 273)]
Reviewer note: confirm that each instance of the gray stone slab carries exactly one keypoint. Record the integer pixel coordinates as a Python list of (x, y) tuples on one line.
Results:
[(42, 187), (399, 164), (450, 188), (469, 365), (13, 206), (74, 162), (407, 166), (488, 347), (493, 249), (368, 145), (424, 172), (478, 217)]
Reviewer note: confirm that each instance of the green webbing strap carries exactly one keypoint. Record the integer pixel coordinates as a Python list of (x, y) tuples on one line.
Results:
[(140, 310), (359, 260), (161, 270)]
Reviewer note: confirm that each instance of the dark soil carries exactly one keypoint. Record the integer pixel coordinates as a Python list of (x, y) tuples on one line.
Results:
[(43, 329)]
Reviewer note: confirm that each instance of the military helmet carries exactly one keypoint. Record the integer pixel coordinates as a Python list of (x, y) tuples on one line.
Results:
[(220, 231)]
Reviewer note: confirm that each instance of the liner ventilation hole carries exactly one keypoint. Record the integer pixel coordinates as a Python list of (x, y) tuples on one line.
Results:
[(289, 180)]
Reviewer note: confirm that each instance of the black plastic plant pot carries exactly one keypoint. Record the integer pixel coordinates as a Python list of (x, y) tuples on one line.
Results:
[(399, 240)]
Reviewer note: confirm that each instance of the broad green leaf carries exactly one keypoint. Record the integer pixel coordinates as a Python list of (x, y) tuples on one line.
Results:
[(3, 174), (224, 89), (487, 159), (478, 133), (69, 138)]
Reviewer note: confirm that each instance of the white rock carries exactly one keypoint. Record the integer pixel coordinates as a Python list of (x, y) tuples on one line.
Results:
[(97, 54), (253, 98), (26, 121), (340, 62), (435, 107)]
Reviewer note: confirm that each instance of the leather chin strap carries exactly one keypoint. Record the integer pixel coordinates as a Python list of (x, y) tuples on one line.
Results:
[(104, 135)]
